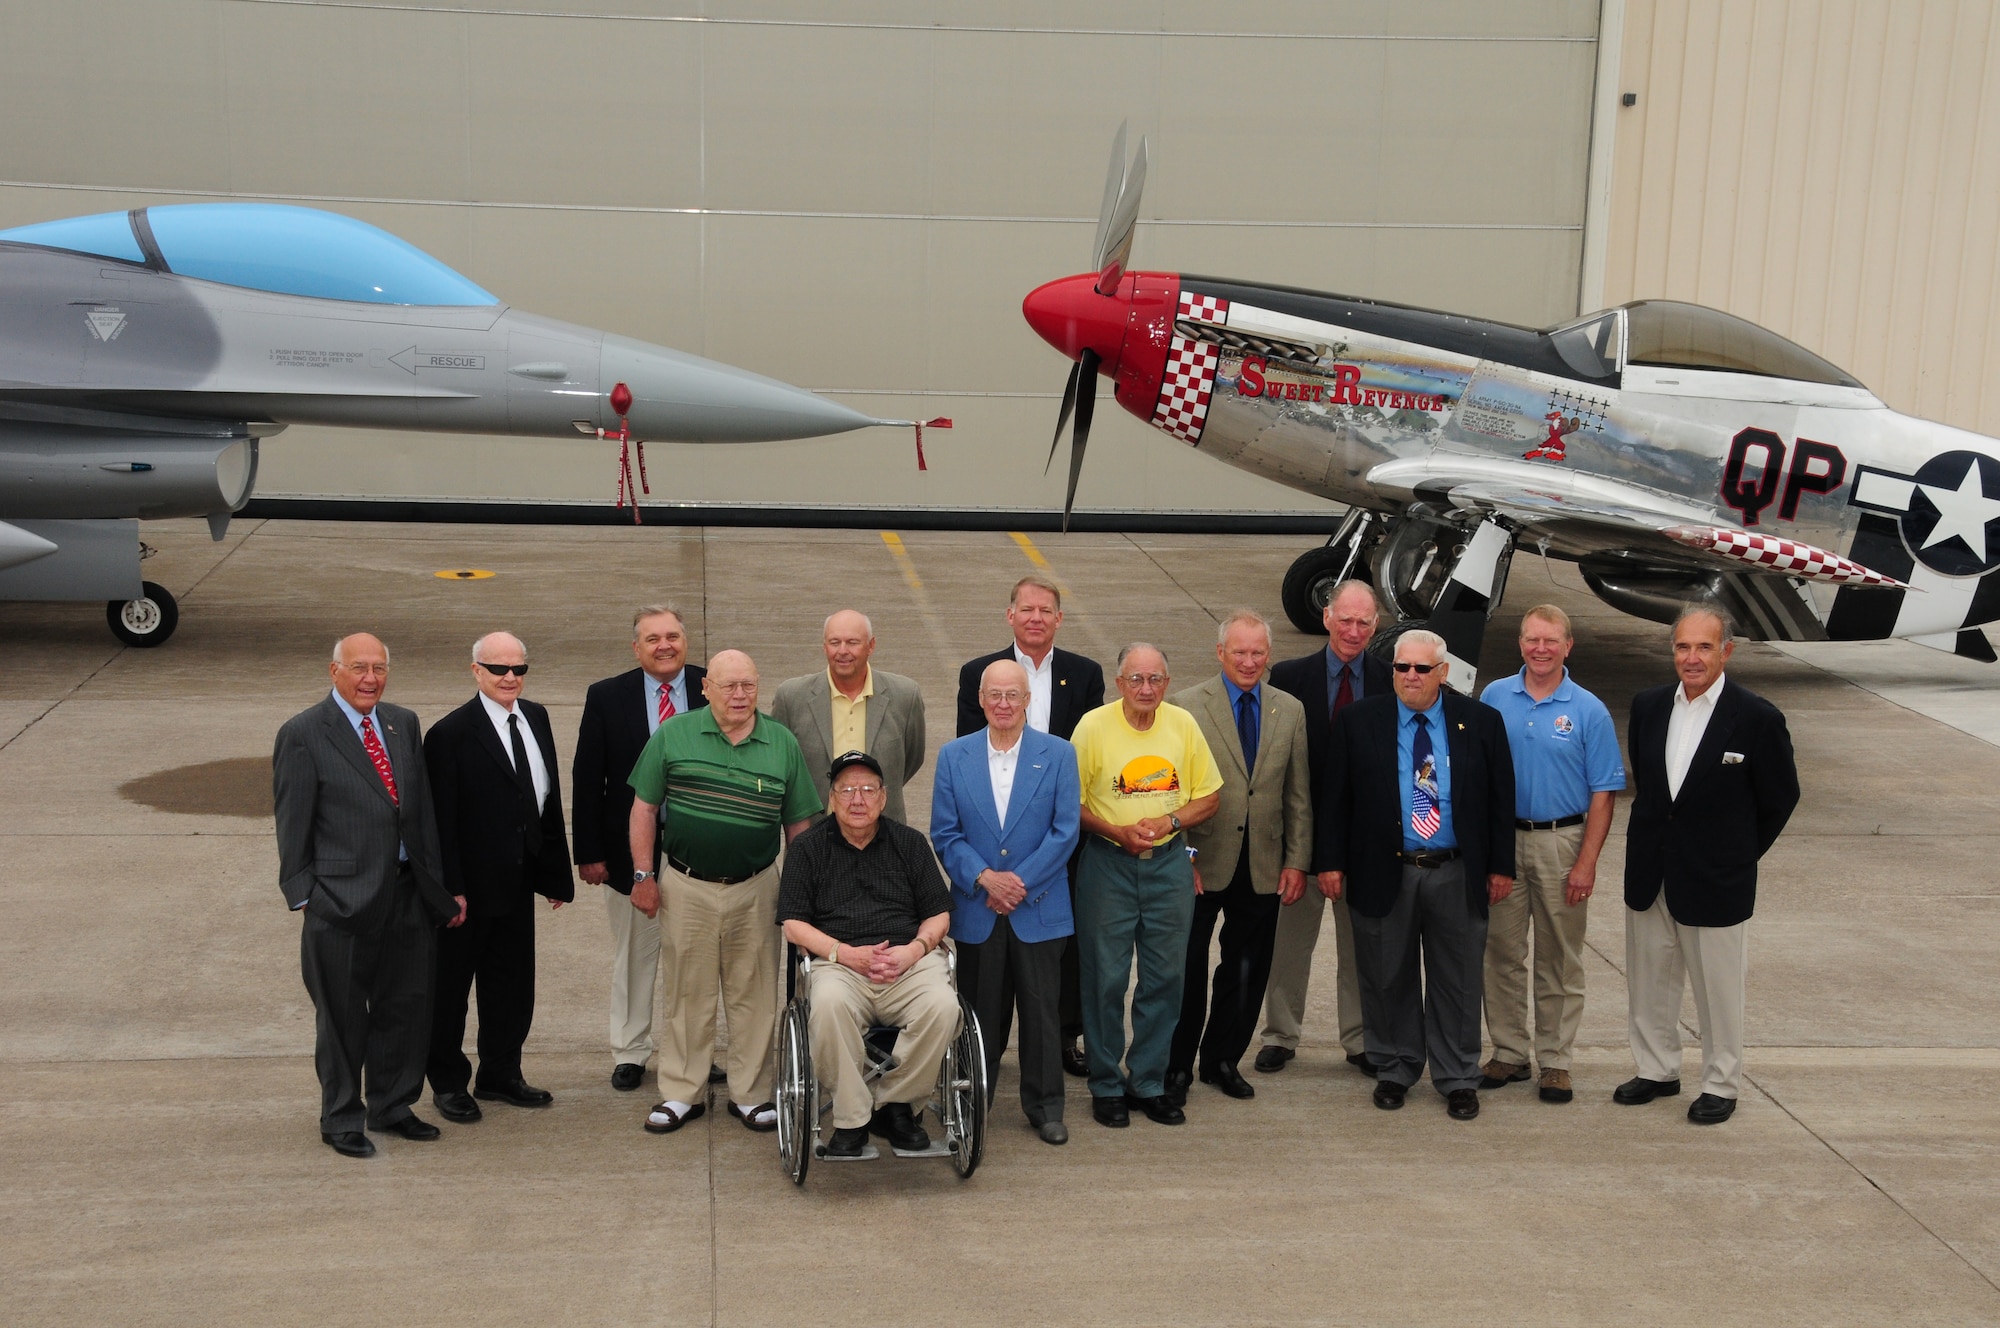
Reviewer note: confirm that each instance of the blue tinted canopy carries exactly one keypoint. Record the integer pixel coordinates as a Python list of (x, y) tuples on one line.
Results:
[(266, 246)]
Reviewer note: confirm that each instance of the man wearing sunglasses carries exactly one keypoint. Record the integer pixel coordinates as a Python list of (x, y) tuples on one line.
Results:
[(1416, 830), (494, 781)]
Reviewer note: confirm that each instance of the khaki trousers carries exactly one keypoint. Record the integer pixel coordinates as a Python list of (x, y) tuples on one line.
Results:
[(726, 938), (635, 973), (846, 1005), (1291, 972), (1716, 961), (1542, 859)]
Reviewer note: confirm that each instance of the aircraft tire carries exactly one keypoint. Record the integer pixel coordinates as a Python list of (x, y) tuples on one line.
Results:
[(1383, 644), (1311, 578), (146, 621)]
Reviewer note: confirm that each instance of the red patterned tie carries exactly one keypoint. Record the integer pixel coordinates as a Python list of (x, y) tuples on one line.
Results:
[(380, 757), (666, 703), (1345, 696)]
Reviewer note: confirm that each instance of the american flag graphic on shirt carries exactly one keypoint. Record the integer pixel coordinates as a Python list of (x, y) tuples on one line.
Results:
[(1424, 816)]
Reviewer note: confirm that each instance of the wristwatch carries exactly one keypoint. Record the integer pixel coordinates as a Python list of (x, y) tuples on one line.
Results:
[(639, 876), (1174, 821)]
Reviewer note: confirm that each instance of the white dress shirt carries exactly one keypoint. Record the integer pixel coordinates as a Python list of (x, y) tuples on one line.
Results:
[(1000, 766), (540, 773), (1041, 687), (1684, 729)]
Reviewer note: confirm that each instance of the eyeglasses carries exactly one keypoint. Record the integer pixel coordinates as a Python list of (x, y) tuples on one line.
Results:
[(1007, 698), (502, 670), (851, 791), (1143, 679), (733, 688), (1404, 666)]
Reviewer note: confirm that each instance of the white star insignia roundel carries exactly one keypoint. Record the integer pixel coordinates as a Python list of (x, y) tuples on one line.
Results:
[(1963, 512)]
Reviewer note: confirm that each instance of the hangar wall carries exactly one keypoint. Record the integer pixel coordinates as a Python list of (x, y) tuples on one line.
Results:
[(1828, 168), (852, 195)]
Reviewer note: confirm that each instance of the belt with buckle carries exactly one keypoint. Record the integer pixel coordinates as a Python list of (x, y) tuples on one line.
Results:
[(1145, 855), (686, 870), (1560, 823), (1430, 857)]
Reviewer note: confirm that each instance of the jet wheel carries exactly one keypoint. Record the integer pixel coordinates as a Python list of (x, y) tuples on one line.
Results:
[(1309, 585), (146, 621)]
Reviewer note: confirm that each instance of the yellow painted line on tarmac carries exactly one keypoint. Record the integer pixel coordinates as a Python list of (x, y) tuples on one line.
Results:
[(463, 574), (933, 622), (1035, 556), (896, 547)]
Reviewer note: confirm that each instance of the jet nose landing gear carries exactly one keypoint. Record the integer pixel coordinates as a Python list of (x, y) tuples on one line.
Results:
[(146, 621)]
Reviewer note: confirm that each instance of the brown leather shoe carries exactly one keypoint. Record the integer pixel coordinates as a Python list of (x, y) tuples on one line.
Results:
[(1497, 1073), (1555, 1086)]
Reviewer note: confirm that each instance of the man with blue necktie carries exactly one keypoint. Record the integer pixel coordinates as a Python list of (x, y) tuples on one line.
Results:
[(1435, 766)]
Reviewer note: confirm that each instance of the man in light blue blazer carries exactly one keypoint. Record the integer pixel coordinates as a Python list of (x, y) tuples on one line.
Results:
[(1004, 821)]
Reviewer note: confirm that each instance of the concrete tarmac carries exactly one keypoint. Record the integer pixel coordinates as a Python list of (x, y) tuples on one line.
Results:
[(158, 1108)]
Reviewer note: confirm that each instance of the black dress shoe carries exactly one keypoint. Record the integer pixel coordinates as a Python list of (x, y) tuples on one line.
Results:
[(1360, 1061), (1073, 1059), (1272, 1059), (1637, 1092), (1708, 1109), (348, 1143), (846, 1143), (626, 1076), (1228, 1080), (457, 1107), (1178, 1083), (1462, 1103), (412, 1127), (1389, 1096), (1110, 1111), (898, 1124), (1053, 1132), (518, 1093), (1160, 1110)]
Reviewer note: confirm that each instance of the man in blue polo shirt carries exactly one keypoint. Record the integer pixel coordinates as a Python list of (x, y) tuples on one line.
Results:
[(1566, 774)]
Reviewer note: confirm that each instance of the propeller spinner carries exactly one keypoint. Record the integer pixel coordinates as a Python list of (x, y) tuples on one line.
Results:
[(1069, 318)]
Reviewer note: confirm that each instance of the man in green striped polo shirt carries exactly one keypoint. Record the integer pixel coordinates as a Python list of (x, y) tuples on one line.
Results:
[(729, 779)]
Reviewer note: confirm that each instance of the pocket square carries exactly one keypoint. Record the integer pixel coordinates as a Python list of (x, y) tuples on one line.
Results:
[(1732, 758)]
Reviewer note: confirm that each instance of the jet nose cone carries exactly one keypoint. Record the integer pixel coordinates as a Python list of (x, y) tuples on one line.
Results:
[(1070, 315), (684, 398)]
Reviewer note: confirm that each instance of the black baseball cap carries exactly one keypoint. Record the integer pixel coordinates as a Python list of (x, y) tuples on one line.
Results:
[(846, 759)]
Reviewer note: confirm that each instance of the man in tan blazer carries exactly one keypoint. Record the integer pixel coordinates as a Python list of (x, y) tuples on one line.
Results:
[(1251, 855), (852, 708)]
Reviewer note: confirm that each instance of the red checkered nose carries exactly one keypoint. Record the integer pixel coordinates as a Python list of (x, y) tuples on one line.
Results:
[(1071, 316)]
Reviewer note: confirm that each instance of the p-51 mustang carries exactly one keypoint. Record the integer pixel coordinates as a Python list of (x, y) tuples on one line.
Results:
[(144, 354), (1671, 451)]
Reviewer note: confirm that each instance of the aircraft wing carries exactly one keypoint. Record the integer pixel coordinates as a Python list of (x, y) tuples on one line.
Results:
[(1586, 514)]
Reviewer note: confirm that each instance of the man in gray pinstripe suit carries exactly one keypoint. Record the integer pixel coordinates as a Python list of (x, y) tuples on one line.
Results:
[(358, 854)]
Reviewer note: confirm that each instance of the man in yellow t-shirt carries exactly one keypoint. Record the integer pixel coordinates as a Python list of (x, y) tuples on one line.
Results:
[(1147, 775)]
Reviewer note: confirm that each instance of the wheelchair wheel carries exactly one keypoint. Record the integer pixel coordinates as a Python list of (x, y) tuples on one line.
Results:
[(962, 1094), (798, 1096)]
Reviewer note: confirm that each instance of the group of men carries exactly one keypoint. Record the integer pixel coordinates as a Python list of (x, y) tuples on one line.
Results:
[(1074, 846)]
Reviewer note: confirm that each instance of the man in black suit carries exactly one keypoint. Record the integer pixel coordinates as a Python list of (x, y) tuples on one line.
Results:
[(619, 715), (1326, 682), (492, 764), (1062, 688), (1417, 831), (358, 855), (1715, 784)]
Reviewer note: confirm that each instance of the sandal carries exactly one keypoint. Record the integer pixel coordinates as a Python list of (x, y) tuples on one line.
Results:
[(761, 1119), (663, 1119)]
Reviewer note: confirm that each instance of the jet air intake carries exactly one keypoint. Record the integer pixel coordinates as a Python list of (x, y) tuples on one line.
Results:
[(61, 475)]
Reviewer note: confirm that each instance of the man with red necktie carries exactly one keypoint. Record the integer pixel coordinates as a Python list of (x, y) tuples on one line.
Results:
[(358, 856), (619, 715)]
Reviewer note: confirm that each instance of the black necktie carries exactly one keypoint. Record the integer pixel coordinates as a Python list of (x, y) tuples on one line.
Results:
[(524, 775), (1246, 729)]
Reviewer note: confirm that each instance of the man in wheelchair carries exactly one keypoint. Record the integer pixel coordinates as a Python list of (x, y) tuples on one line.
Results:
[(862, 894)]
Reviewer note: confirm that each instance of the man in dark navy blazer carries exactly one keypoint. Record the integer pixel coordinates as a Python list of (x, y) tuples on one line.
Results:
[(1715, 783), (1325, 682), (619, 715), (494, 782), (1417, 832), (1065, 687)]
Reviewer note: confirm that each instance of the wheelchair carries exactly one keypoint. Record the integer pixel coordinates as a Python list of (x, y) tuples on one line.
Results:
[(959, 1103)]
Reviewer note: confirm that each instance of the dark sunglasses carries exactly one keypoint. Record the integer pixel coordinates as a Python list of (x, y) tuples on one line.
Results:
[(1404, 666), (502, 670)]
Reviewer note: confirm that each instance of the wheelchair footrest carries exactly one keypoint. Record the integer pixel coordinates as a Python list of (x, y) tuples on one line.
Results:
[(937, 1149), (868, 1153)]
